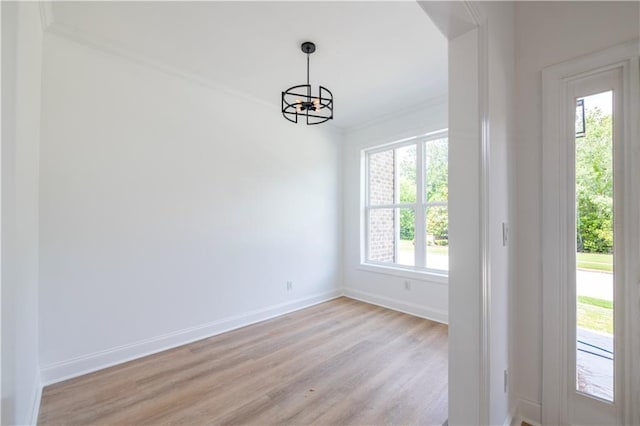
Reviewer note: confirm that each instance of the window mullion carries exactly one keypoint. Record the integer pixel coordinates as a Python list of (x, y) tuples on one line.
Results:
[(436, 204), (394, 206), (396, 212), (365, 243), (367, 184), (420, 214), (386, 212)]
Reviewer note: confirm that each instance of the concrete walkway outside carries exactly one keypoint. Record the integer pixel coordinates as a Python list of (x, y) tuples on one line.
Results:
[(594, 284), (594, 356), (594, 359)]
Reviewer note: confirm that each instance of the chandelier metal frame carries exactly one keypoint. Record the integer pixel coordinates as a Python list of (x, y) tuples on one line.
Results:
[(299, 101)]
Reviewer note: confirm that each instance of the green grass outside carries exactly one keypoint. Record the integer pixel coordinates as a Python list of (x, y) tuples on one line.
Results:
[(595, 261), (593, 314), (589, 261), (595, 318), (438, 249), (601, 303), (407, 246)]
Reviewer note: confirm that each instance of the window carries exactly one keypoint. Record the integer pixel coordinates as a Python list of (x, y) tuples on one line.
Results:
[(595, 242), (406, 192)]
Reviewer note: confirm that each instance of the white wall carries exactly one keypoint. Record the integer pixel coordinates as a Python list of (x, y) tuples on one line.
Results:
[(481, 198), (170, 207), (21, 77), (547, 33), (426, 298), (465, 256), (501, 98)]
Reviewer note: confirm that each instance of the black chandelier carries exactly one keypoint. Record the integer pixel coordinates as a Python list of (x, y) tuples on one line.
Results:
[(298, 100)]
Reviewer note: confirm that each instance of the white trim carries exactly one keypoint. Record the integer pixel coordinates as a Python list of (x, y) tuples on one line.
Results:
[(528, 411), (398, 305), (556, 386), (411, 140), (396, 210), (508, 420), (88, 363), (420, 225), (92, 41), (601, 82), (432, 102), (105, 46), (511, 419), (484, 390), (364, 202), (631, 389), (405, 272), (472, 387), (553, 397), (517, 421), (35, 404), (394, 206), (485, 243), (421, 205)]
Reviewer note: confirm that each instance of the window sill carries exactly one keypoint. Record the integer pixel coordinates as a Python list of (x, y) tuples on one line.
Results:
[(415, 274)]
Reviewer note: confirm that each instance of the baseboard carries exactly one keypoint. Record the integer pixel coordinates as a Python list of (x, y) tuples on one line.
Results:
[(35, 404), (89, 363), (398, 305), (529, 411), (508, 420), (517, 421), (512, 418)]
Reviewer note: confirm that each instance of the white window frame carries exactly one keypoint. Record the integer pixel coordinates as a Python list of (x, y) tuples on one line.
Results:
[(561, 403), (421, 205)]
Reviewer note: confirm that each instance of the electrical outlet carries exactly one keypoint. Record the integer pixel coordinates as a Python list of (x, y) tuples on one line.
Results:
[(289, 285), (407, 285), (506, 381)]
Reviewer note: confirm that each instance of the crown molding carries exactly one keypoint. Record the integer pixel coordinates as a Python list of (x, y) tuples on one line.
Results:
[(106, 46), (435, 101), (453, 18)]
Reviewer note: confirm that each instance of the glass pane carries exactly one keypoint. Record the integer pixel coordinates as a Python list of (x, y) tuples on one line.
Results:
[(436, 173), (406, 157), (594, 242), (406, 245), (437, 238), (381, 235), (381, 178)]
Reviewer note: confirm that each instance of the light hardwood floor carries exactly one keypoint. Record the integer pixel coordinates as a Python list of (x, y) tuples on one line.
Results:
[(341, 362)]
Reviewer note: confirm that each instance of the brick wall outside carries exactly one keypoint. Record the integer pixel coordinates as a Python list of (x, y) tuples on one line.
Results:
[(381, 191)]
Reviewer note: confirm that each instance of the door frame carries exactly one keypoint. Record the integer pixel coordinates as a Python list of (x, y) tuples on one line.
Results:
[(556, 388), (466, 28)]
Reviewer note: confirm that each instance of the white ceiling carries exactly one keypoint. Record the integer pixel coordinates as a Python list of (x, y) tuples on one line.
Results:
[(376, 57)]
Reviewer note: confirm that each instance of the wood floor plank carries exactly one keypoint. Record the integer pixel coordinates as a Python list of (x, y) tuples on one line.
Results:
[(340, 362)]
